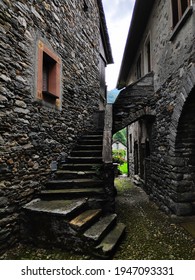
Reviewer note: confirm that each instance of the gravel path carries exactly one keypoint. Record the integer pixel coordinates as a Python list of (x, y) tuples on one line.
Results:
[(150, 234)]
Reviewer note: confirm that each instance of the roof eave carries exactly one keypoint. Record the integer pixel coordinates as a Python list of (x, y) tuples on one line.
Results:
[(104, 33), (141, 14)]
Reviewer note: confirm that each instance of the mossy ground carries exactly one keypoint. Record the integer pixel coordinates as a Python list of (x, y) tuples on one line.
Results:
[(150, 234)]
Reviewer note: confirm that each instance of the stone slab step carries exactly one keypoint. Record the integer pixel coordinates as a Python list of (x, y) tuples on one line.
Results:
[(86, 153), (66, 208), (85, 219), (83, 159), (81, 166), (108, 245), (72, 174), (90, 142), (97, 131), (97, 231), (88, 147), (74, 183), (92, 136), (67, 193)]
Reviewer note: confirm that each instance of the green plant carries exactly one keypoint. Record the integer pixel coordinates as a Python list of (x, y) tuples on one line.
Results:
[(121, 136), (123, 168), (119, 156)]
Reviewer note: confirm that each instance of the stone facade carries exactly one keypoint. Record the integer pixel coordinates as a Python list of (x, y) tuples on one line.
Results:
[(167, 168), (35, 133)]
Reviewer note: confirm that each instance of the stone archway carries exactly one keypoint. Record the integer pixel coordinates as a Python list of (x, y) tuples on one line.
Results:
[(187, 82), (185, 153), (181, 145)]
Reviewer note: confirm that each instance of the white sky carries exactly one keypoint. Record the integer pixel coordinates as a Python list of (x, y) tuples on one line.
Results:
[(118, 16)]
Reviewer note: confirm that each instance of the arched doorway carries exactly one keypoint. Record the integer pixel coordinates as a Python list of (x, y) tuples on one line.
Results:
[(185, 152)]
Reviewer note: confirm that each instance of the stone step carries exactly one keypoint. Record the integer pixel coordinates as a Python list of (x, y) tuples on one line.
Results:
[(91, 160), (86, 153), (71, 174), (92, 137), (88, 147), (97, 231), (109, 244), (71, 193), (85, 219), (98, 131), (90, 142), (81, 166), (66, 208), (74, 183)]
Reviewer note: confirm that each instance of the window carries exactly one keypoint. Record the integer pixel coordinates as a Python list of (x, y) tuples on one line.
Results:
[(130, 144), (85, 6), (138, 68), (178, 9), (48, 76), (147, 56)]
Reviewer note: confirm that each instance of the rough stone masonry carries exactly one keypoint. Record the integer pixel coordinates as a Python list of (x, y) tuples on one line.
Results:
[(33, 133)]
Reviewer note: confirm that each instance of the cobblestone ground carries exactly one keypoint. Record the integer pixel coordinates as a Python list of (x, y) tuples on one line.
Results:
[(150, 234)]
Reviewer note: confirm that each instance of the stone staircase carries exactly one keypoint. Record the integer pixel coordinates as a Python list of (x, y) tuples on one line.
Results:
[(71, 211)]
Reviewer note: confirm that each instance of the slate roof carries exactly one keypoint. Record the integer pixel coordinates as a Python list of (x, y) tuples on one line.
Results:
[(104, 33)]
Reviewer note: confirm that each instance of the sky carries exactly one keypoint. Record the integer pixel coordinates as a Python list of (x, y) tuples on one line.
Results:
[(118, 16)]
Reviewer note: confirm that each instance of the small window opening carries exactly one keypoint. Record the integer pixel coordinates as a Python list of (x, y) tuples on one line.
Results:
[(49, 79), (48, 76), (130, 144), (178, 9), (184, 5), (138, 68), (148, 56), (147, 143), (85, 6)]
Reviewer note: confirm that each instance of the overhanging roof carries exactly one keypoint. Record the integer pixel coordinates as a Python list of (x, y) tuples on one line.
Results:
[(139, 21), (104, 33)]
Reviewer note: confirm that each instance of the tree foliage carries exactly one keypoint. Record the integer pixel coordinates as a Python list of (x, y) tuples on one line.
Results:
[(121, 136)]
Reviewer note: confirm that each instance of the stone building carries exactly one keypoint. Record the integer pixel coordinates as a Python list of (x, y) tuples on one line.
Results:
[(52, 86), (157, 101)]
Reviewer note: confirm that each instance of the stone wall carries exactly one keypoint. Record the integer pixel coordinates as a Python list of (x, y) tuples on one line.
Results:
[(33, 134), (170, 174), (169, 49), (170, 177)]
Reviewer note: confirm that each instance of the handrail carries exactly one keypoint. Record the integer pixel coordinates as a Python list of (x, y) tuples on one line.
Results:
[(107, 135)]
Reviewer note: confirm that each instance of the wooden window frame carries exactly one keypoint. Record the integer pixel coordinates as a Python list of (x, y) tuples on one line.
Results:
[(51, 94), (178, 11)]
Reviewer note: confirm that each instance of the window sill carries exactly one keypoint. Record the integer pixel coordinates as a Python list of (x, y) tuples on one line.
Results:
[(50, 94), (181, 23), (50, 99)]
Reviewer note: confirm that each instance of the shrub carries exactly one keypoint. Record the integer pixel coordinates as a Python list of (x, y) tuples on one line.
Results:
[(123, 168), (119, 156)]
